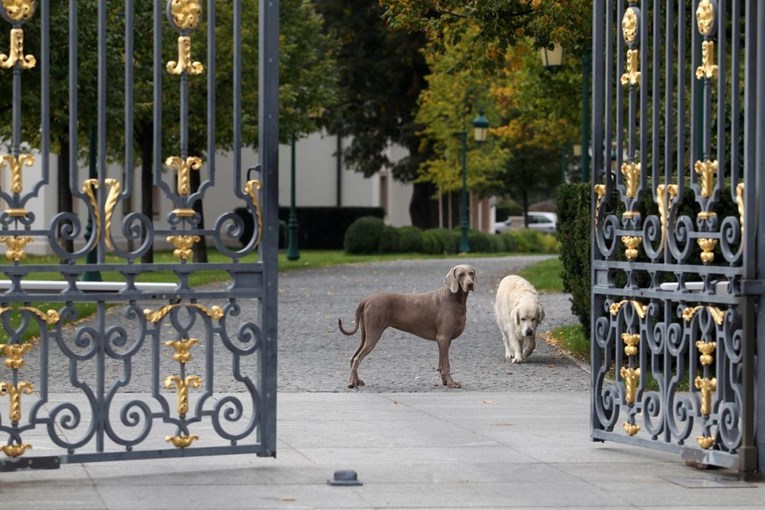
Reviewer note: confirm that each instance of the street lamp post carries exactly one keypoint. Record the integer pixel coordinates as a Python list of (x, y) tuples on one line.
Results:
[(293, 253), (480, 130)]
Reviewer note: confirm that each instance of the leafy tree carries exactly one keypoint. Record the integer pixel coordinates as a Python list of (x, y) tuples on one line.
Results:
[(380, 73)]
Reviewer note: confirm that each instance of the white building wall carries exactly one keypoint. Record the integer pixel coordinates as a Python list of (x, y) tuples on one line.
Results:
[(316, 176)]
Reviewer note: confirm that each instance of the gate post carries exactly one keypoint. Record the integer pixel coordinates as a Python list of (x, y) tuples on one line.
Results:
[(755, 149)]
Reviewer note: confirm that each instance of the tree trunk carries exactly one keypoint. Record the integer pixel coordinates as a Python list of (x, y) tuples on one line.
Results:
[(146, 143), (65, 203), (423, 210)]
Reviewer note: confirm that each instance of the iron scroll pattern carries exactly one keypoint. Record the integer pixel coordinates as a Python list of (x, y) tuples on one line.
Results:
[(194, 365), (668, 230)]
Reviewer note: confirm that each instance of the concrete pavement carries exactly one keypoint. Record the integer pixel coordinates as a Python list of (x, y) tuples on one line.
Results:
[(456, 449)]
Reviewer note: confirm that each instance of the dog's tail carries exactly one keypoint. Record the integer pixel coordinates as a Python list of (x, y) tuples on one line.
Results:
[(357, 320)]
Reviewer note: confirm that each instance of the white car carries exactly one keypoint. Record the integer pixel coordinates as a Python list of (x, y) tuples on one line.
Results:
[(543, 221), (503, 226)]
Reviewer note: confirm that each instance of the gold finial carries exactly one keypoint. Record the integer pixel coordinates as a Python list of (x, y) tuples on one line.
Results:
[(15, 246), (631, 377), (632, 76), (186, 13), (184, 62), (705, 442), (631, 243), (182, 386), (629, 25), (14, 393), (631, 428), (631, 173), (16, 52), (182, 349), (707, 246), (183, 245), (14, 354), (19, 10), (706, 170), (706, 349), (631, 341), (184, 169), (181, 441), (707, 69), (15, 164), (707, 386), (705, 17), (15, 450)]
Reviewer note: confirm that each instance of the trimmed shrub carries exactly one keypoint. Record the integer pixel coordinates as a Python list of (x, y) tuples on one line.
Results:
[(390, 240), (449, 240), (411, 240), (479, 241), (364, 234), (527, 241), (509, 242), (497, 244), (432, 243)]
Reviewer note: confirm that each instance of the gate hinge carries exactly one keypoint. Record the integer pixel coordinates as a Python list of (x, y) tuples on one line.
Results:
[(30, 463), (753, 287)]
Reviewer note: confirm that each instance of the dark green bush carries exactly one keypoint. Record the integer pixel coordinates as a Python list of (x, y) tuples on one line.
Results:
[(497, 244), (573, 206), (364, 234), (527, 241), (510, 245), (390, 240), (410, 240), (449, 240), (479, 241), (432, 243)]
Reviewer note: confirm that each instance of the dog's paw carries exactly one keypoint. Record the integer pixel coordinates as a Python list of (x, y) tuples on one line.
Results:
[(518, 360), (508, 356), (455, 384), (355, 383)]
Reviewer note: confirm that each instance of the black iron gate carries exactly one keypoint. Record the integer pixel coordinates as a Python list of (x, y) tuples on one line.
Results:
[(677, 166), (133, 367)]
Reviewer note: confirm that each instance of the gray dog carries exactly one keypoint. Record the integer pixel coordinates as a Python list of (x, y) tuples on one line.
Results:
[(438, 315)]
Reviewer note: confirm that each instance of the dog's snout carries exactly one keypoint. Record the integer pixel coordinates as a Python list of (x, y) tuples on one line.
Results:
[(528, 332)]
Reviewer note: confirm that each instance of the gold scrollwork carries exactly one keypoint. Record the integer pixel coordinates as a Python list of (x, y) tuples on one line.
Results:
[(707, 245), (717, 315), (251, 187), (705, 442), (14, 394), (184, 169), (740, 203), (705, 17), (15, 450), (183, 245), (707, 69), (600, 191), (639, 307), (631, 341), (15, 246), (186, 13), (707, 386), (631, 377), (16, 52), (631, 244), (631, 428), (14, 354), (215, 312), (706, 349), (629, 25), (631, 173), (182, 349), (15, 164), (706, 170), (632, 76), (182, 386), (184, 63), (181, 441), (89, 187), (665, 196)]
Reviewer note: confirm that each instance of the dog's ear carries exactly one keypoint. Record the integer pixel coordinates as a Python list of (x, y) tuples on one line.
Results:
[(516, 316), (451, 280), (540, 313)]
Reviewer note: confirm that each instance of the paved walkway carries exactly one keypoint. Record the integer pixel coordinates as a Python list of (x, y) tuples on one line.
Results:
[(515, 436)]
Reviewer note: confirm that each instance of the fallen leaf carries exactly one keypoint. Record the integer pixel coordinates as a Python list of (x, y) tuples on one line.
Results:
[(487, 401)]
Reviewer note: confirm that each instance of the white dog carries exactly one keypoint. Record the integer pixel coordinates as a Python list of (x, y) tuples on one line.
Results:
[(519, 312)]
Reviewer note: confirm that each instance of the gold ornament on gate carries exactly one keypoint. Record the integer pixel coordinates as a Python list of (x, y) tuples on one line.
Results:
[(182, 388), (181, 441), (182, 349), (630, 25), (706, 349), (705, 17), (631, 341), (631, 377), (707, 387), (631, 173), (14, 392), (16, 52), (706, 171), (632, 76), (183, 245), (631, 428), (14, 354), (184, 169), (707, 246), (186, 13), (631, 243), (15, 246)]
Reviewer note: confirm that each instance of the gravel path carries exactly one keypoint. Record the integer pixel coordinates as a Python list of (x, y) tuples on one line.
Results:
[(313, 355)]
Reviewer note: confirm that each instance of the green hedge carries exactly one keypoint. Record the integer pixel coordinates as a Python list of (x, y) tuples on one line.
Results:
[(371, 235)]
